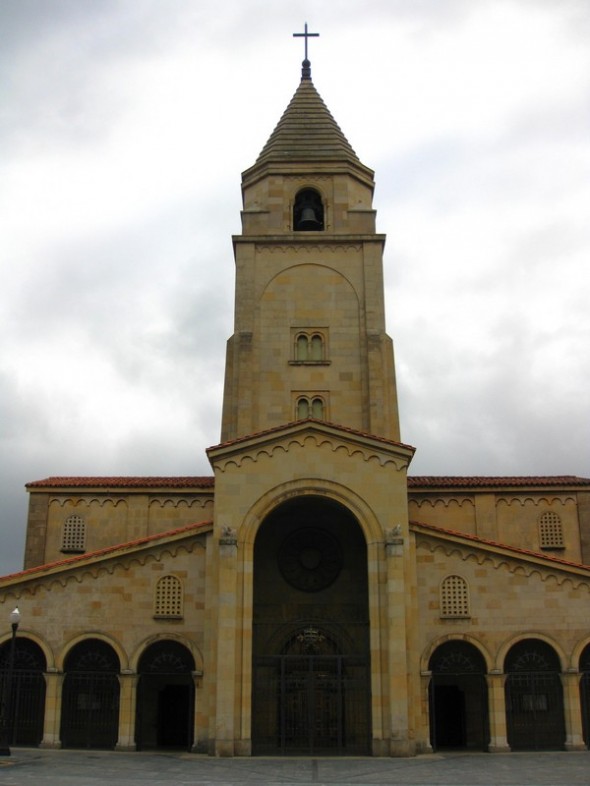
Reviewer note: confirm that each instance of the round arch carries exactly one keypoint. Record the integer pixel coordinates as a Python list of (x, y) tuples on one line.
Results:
[(307, 487), (39, 641), (513, 640), (150, 640), (437, 643), (112, 642)]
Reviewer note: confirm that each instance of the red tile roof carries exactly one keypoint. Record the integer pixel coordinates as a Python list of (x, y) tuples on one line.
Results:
[(495, 544), (89, 556), (125, 482), (208, 481), (433, 481)]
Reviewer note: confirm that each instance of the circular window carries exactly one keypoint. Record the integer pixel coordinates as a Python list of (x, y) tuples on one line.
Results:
[(310, 559)]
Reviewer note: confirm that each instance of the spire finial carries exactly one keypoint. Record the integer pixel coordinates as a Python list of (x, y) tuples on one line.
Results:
[(306, 65)]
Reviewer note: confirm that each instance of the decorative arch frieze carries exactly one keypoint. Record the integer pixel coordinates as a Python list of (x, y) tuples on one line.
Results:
[(560, 499), (94, 571), (86, 502), (446, 501), (498, 561), (311, 440)]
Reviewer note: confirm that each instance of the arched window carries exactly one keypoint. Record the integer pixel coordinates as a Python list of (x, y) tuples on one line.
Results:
[(454, 597), (301, 347), (308, 211), (317, 408), (168, 600), (74, 535), (316, 347), (550, 531), (302, 408)]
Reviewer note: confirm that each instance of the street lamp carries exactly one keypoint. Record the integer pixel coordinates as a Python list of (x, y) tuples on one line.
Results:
[(5, 725)]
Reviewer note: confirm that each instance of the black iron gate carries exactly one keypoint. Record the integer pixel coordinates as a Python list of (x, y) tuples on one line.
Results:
[(90, 697), (27, 692), (311, 704), (534, 707), (90, 710)]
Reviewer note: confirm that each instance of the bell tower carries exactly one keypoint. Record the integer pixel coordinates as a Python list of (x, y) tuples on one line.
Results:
[(309, 335)]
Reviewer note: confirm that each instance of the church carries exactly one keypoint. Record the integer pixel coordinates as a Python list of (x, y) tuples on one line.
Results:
[(309, 597)]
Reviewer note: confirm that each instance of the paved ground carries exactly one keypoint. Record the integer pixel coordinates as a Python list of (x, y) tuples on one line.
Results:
[(31, 767)]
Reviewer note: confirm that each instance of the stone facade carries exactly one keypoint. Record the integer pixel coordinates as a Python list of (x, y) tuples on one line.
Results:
[(309, 597)]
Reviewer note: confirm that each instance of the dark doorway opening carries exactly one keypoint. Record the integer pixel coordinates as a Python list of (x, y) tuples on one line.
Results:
[(585, 693), (165, 697), (458, 698)]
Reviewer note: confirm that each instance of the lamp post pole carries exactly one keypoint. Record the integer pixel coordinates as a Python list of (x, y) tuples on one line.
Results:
[(5, 714)]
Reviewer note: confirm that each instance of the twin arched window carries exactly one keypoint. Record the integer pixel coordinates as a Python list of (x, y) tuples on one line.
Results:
[(310, 407), (309, 348)]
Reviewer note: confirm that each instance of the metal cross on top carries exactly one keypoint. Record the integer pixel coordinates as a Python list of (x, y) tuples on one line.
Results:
[(306, 35)]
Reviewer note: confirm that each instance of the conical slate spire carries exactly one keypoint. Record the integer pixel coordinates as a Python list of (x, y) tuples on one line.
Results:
[(307, 131)]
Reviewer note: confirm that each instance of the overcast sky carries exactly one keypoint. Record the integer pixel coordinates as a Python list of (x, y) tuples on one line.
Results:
[(124, 127)]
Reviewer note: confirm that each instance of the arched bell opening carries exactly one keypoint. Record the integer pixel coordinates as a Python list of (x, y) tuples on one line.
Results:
[(458, 698), (534, 697), (26, 708), (90, 698), (311, 666), (165, 697), (308, 211)]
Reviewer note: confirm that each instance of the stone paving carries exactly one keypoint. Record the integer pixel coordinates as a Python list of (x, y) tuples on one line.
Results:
[(26, 767)]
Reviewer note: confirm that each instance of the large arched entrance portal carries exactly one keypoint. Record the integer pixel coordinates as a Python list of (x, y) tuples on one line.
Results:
[(311, 685)]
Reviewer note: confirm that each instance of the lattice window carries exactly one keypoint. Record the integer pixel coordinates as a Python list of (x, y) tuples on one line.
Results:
[(454, 597), (550, 531), (168, 600), (74, 535)]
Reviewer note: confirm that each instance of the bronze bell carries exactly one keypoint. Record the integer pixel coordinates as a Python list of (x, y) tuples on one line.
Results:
[(308, 220)]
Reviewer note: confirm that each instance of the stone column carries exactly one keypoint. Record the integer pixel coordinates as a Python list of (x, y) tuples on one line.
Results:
[(497, 712), (196, 745), (574, 735), (53, 691), (425, 678), (397, 644), (127, 706), (226, 645)]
